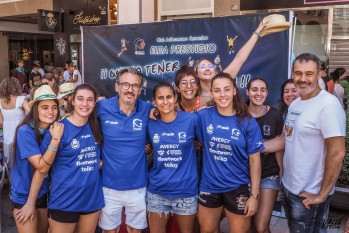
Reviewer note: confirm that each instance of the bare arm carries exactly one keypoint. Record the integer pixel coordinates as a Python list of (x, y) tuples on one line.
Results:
[(240, 58), (1, 120), (333, 164), (279, 159), (25, 106), (255, 173), (275, 144), (75, 78)]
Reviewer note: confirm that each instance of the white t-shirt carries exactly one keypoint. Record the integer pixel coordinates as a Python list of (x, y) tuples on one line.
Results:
[(307, 125), (66, 75), (76, 72)]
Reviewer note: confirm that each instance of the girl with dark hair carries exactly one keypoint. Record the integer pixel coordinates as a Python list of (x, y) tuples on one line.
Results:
[(231, 160), (172, 178), (49, 79), (289, 93), (270, 123), (31, 164)]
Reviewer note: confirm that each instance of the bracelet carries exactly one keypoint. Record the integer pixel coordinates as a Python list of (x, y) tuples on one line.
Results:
[(51, 148), (31, 204), (45, 161), (257, 33)]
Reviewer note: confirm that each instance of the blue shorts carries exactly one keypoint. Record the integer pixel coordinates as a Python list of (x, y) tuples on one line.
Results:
[(181, 206), (270, 182)]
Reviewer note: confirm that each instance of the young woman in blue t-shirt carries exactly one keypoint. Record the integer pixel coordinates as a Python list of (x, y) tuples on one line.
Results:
[(31, 165), (231, 159), (172, 178)]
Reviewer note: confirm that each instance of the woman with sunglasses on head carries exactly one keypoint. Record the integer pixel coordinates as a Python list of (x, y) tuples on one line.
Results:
[(231, 159), (206, 69), (270, 123), (29, 183), (172, 178)]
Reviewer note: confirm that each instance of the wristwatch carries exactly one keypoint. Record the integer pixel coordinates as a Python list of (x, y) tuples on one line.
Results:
[(255, 196)]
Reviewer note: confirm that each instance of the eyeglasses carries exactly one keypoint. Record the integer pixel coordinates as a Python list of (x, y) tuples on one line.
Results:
[(126, 86), (209, 67), (184, 83)]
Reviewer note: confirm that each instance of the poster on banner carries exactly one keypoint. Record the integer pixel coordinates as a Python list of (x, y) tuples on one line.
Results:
[(159, 49)]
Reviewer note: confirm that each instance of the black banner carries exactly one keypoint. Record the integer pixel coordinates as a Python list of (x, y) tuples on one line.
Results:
[(61, 45), (246, 5), (49, 21)]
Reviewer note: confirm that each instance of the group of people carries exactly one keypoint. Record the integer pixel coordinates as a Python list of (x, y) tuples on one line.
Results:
[(203, 163)]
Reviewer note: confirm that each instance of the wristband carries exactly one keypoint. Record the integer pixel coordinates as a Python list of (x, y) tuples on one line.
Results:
[(31, 204), (257, 33), (51, 148), (45, 161)]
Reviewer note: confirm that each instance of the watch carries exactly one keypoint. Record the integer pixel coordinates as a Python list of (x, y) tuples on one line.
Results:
[(255, 196)]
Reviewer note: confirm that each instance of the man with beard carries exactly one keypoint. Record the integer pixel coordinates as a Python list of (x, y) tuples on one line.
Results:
[(124, 120), (314, 141)]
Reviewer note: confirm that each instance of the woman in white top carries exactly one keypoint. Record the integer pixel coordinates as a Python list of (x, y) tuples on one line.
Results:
[(13, 107)]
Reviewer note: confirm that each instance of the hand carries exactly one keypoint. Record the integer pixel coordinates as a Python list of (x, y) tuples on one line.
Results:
[(25, 213), (251, 207), (311, 199), (154, 113), (100, 164), (261, 26), (56, 130), (148, 149)]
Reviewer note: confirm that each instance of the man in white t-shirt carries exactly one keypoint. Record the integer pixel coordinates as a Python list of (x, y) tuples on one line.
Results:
[(314, 140)]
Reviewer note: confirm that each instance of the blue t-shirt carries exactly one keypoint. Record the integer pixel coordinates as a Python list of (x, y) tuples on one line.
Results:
[(124, 140), (22, 171), (174, 173), (227, 144), (76, 184)]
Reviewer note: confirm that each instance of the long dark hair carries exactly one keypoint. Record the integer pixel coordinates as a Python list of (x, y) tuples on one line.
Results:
[(283, 105), (92, 118), (181, 73), (32, 119), (238, 100), (337, 73)]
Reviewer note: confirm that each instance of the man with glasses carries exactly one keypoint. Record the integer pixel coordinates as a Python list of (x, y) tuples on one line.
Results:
[(124, 120)]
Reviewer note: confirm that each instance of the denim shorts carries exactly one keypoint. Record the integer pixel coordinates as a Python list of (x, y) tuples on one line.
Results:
[(270, 182), (181, 206)]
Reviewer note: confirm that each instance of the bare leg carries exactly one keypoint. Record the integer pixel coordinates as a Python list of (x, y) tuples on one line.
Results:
[(238, 223), (158, 222), (265, 209), (58, 227), (28, 226), (209, 219), (43, 220), (88, 222), (185, 223)]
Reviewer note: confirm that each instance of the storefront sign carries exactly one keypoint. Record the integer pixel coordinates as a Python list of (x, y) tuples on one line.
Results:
[(49, 21), (307, 2), (160, 49), (85, 17)]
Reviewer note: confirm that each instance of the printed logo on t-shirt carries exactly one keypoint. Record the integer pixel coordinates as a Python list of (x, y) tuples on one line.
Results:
[(210, 129), (75, 144), (156, 138), (182, 137), (108, 122), (266, 130), (259, 143), (235, 133), (223, 127), (137, 124), (290, 124)]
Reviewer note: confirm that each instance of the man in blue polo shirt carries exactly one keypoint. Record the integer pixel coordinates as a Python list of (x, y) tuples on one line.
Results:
[(124, 120)]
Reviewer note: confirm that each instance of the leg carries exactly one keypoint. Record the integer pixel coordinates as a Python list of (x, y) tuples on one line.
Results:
[(135, 210), (301, 219), (58, 227), (238, 223), (265, 209), (209, 219), (43, 220), (185, 223), (110, 216), (158, 222), (88, 222), (27, 227)]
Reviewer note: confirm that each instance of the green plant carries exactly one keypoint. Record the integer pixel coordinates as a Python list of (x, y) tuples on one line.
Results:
[(343, 179)]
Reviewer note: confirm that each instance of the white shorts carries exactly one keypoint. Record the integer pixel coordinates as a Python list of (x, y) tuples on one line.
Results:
[(135, 208)]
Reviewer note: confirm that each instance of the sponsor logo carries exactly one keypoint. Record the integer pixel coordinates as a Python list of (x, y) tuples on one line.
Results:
[(235, 133), (182, 137), (223, 127), (75, 144), (167, 134), (266, 130), (156, 138), (210, 129), (139, 46), (108, 122), (137, 124)]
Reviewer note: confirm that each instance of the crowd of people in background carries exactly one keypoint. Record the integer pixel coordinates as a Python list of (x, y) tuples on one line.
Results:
[(205, 153)]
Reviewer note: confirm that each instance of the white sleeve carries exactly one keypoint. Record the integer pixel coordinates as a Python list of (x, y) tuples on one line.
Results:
[(332, 120)]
